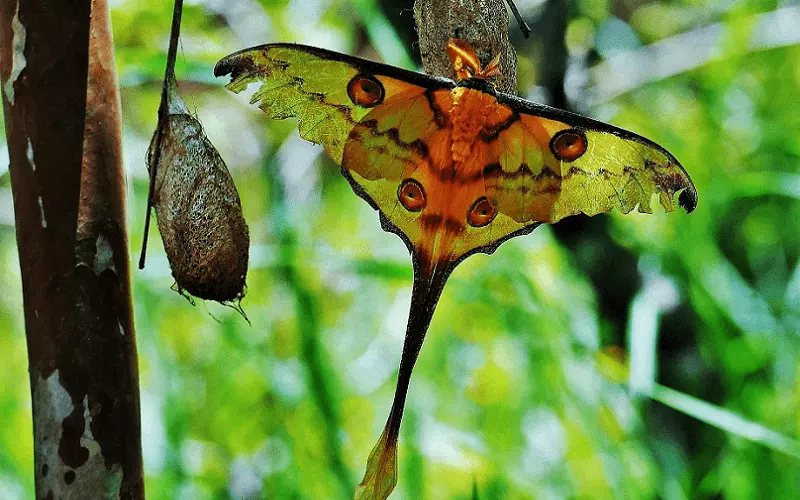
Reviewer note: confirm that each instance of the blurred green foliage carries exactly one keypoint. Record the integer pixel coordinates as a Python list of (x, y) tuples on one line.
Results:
[(613, 357)]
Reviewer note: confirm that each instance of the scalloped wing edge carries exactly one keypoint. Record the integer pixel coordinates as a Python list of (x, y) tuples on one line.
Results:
[(687, 194)]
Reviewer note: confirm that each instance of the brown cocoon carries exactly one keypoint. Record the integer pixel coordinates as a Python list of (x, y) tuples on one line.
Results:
[(199, 212)]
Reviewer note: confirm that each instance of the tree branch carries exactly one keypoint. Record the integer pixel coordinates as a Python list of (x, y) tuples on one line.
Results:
[(481, 23)]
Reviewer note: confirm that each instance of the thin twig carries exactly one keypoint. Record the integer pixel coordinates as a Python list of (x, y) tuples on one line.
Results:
[(523, 26), (169, 77)]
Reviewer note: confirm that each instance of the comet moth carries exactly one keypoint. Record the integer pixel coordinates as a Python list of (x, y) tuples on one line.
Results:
[(453, 167)]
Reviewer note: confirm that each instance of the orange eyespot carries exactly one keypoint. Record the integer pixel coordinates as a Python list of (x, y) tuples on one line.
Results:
[(365, 91), (411, 195), (568, 145), (481, 213)]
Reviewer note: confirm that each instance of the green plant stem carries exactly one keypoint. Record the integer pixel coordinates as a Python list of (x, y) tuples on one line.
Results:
[(725, 420)]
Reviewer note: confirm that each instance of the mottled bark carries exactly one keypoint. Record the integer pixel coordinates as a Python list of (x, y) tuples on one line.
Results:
[(62, 115), (481, 23)]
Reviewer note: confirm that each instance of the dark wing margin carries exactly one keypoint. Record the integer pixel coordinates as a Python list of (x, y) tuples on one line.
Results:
[(313, 85), (241, 61), (687, 198)]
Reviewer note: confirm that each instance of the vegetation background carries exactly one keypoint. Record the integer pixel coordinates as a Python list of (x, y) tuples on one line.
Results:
[(639, 356)]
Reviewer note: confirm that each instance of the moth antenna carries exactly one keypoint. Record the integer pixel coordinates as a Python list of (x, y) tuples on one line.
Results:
[(465, 59), (491, 69), (169, 77), (523, 26)]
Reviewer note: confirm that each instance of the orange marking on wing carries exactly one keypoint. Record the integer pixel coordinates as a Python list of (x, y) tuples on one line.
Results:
[(536, 127), (365, 91), (443, 104), (481, 213), (568, 145), (439, 162), (433, 148), (412, 195), (498, 116), (395, 87), (471, 167), (444, 219)]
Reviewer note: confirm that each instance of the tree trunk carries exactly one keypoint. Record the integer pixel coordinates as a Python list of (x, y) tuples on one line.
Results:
[(62, 112), (481, 23)]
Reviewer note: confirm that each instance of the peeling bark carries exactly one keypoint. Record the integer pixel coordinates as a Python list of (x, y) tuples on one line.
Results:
[(62, 115)]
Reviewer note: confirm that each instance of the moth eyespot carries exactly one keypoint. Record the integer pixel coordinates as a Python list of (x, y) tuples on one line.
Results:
[(365, 91), (411, 195), (481, 213), (568, 145)]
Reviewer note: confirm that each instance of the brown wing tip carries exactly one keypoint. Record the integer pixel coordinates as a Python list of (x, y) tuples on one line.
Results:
[(688, 199), (225, 66), (240, 62)]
